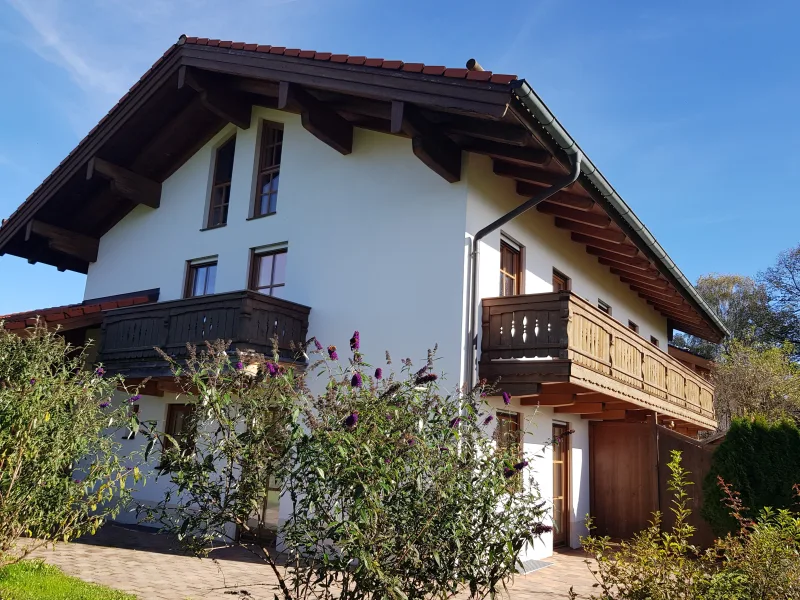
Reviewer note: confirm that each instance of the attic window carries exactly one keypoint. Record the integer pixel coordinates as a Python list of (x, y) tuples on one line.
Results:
[(269, 167), (633, 326), (604, 306), (221, 187)]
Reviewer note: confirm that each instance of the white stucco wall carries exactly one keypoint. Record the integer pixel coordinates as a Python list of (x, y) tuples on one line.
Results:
[(377, 242)]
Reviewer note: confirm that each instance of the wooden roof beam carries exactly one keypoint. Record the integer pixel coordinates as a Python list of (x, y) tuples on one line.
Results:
[(606, 415), (572, 200), (579, 216), (645, 272), (524, 156), (224, 103), (437, 151), (636, 279), (623, 249), (502, 133), (526, 173), (632, 260), (611, 235), (125, 183), (62, 240), (580, 408), (317, 118)]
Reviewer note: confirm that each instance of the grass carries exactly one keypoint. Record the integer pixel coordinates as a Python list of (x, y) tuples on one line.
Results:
[(35, 580)]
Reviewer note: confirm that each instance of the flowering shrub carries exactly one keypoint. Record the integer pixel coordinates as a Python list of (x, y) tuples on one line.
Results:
[(759, 561), (395, 489), (60, 471)]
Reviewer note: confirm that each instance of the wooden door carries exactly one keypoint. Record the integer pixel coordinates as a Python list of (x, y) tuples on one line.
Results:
[(623, 472), (560, 485)]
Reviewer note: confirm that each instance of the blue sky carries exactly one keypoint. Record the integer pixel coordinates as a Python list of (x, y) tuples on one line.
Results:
[(689, 108)]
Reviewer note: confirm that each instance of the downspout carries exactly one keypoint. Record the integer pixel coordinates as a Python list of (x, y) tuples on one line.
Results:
[(575, 171)]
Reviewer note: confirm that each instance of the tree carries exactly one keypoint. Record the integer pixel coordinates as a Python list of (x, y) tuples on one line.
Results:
[(396, 490), (751, 381), (60, 469), (782, 283)]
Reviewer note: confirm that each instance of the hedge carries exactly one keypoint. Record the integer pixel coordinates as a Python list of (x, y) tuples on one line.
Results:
[(762, 461)]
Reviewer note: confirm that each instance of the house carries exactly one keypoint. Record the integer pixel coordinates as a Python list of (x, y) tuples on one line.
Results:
[(389, 174)]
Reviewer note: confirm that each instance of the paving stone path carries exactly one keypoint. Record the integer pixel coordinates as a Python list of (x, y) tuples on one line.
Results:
[(150, 566)]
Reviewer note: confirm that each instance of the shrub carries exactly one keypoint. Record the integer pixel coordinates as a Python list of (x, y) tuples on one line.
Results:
[(760, 560), (396, 490), (60, 471), (759, 459)]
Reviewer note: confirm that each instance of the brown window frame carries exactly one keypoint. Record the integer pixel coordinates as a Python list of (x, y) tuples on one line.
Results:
[(187, 437), (224, 185), (559, 276), (633, 326), (515, 277), (511, 417), (191, 272), (271, 145), (255, 266), (604, 306), (654, 341)]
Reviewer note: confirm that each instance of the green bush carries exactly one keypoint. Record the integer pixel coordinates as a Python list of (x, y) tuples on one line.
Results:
[(61, 473), (396, 490), (759, 459)]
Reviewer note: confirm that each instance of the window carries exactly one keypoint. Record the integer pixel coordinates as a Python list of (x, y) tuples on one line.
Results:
[(200, 279), (604, 307), (507, 431), (633, 326), (268, 272), (561, 283), (221, 186), (179, 427), (654, 341), (510, 259), (269, 165)]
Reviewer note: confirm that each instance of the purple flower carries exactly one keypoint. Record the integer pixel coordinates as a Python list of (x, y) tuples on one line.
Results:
[(105, 404), (99, 371), (355, 341), (378, 373), (540, 528), (508, 472), (411, 441), (506, 398), (521, 465), (425, 378), (488, 420), (351, 421), (33, 380), (455, 422), (239, 366), (332, 353), (135, 398), (356, 380), (317, 344), (272, 368)]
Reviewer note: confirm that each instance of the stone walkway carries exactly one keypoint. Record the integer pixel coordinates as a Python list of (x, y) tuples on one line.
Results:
[(150, 566)]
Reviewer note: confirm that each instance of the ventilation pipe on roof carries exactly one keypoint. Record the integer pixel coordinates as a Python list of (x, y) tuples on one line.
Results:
[(472, 348), (474, 65), (542, 114)]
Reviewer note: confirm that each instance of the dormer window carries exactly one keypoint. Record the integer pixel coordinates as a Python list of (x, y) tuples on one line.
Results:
[(221, 186)]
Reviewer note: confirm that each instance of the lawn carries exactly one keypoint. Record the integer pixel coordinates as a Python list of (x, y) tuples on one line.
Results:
[(35, 580)]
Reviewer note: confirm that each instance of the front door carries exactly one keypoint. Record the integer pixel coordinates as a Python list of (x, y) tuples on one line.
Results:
[(560, 484)]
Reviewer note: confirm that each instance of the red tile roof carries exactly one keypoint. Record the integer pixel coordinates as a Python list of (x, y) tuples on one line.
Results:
[(61, 315), (378, 63)]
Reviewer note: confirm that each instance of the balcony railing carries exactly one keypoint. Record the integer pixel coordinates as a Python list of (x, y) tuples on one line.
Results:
[(248, 319), (538, 338)]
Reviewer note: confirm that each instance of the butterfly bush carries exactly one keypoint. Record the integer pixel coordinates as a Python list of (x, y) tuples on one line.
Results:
[(391, 487), (60, 469)]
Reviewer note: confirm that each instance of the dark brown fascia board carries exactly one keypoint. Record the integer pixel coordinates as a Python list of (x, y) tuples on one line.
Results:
[(90, 145), (544, 138)]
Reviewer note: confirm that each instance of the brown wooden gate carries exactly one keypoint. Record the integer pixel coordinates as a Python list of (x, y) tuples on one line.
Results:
[(628, 477)]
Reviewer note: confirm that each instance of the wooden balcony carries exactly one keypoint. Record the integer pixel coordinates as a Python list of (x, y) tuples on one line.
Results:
[(556, 349), (248, 319)]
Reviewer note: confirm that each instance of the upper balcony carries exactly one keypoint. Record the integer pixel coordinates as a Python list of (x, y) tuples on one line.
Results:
[(558, 350), (248, 319)]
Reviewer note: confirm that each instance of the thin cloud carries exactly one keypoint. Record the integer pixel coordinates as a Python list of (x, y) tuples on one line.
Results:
[(52, 45)]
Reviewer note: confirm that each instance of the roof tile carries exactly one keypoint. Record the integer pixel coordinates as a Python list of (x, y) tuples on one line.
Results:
[(356, 60), (237, 45), (307, 53), (457, 73), (413, 67), (479, 75), (277, 50), (261, 48), (373, 62), (292, 52), (504, 79), (339, 58), (433, 70), (322, 55), (225, 44), (392, 64)]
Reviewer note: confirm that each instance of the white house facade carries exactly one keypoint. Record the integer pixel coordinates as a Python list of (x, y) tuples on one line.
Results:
[(387, 172)]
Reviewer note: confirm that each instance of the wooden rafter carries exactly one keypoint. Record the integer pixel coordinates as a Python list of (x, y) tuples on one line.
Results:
[(606, 415), (549, 400), (441, 154), (635, 278), (646, 272), (317, 118), (226, 104), (580, 408), (611, 235), (573, 200), (526, 173), (623, 249), (487, 130), (632, 260), (525, 156), (586, 217), (126, 183), (62, 240)]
